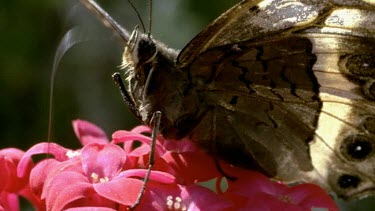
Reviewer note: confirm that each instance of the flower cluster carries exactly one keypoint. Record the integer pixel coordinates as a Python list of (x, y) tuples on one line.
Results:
[(104, 176)]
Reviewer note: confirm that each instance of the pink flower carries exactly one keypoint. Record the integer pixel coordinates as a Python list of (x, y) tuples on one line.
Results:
[(178, 197), (12, 186), (189, 165), (104, 176), (180, 158), (96, 175), (9, 159), (86, 133), (253, 191)]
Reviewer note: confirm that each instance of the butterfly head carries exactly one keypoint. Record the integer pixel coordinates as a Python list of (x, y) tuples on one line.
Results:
[(149, 65), (139, 51)]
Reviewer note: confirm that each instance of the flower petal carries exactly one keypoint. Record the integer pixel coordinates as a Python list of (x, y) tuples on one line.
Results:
[(9, 159), (87, 133), (103, 160), (39, 174), (250, 182), (254, 191), (9, 201), (160, 196), (142, 129), (188, 166), (65, 188), (54, 179), (203, 199), (157, 176), (90, 209), (122, 136), (120, 189), (310, 195), (59, 152)]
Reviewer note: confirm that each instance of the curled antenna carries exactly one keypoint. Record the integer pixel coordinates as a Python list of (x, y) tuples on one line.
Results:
[(138, 15), (71, 38)]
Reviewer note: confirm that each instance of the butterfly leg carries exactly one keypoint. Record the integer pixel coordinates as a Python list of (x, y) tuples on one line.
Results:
[(155, 121), (147, 84), (125, 94)]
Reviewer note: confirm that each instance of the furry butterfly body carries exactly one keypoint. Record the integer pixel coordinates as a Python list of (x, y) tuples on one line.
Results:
[(284, 87)]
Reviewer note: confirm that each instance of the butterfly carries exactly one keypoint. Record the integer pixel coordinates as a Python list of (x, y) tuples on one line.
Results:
[(284, 87)]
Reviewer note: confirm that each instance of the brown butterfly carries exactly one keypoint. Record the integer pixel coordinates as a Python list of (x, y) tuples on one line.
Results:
[(284, 87)]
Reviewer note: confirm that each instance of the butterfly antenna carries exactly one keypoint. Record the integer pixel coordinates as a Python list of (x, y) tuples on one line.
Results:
[(138, 15), (149, 20), (106, 19)]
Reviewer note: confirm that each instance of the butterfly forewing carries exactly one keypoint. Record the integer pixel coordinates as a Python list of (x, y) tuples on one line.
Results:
[(255, 18)]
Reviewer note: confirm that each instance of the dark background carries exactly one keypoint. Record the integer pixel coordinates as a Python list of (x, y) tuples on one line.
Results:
[(29, 35)]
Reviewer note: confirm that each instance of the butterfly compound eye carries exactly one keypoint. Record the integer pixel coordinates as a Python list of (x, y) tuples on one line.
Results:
[(357, 147), (146, 51)]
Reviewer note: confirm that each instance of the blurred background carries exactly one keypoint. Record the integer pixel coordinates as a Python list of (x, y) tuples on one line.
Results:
[(30, 32)]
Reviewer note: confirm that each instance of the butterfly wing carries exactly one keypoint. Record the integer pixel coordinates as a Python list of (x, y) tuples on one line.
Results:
[(261, 101), (259, 18), (343, 148), (288, 87)]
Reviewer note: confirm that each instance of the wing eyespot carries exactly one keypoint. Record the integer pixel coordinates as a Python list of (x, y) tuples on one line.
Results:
[(346, 181), (357, 147), (361, 65)]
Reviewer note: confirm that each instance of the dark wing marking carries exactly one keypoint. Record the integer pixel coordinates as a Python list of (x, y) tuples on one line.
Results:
[(266, 106)]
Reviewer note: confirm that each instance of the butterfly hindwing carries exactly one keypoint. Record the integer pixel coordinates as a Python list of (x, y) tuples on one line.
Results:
[(343, 148)]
